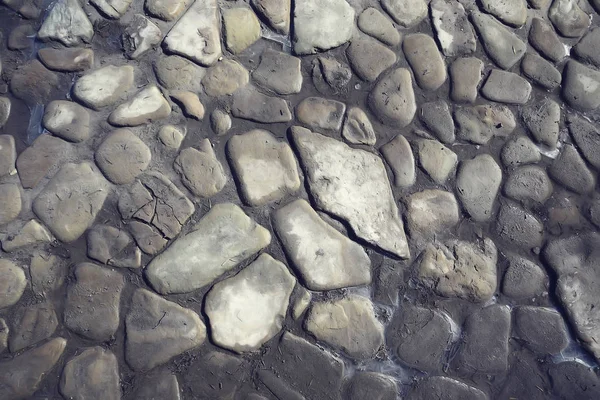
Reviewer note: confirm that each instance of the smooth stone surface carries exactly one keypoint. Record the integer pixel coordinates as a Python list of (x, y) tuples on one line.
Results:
[(519, 227), (444, 388), (279, 72), (158, 330), (200, 170), (569, 170), (320, 113), (167, 10), (48, 273), (503, 46), (241, 28), (393, 99), (465, 75), (437, 118), (406, 13), (252, 105), (224, 237), (20, 37), (113, 9), (225, 78), (190, 104), (265, 167), (67, 23), (425, 60), (69, 203), (104, 86), (3, 335), (10, 202), (122, 156), (93, 300), (399, 156), (67, 120), (171, 137), (353, 185), (321, 25), (568, 18), (220, 122), (5, 107), (430, 214), (528, 183), (438, 161), (510, 12), (196, 35), (276, 12), (581, 86), (544, 39), (8, 154), (477, 183), (113, 246), (178, 73), (543, 120), (542, 329), (248, 309), (370, 385), (325, 258), (479, 124), (453, 30), (34, 84), (524, 279), (540, 71), (93, 374), (140, 36), (506, 87), (587, 138), (369, 58), (518, 151), (358, 128), (372, 22), (12, 285), (147, 106), (31, 234), (585, 50)]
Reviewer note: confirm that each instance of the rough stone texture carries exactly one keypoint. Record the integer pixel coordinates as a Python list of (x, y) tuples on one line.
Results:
[(444, 388), (478, 124), (104, 86), (321, 25), (370, 385), (252, 105), (5, 107), (545, 40), (430, 214), (523, 279), (167, 10), (93, 374), (568, 18), (113, 246), (407, 13), (67, 60), (438, 161), (477, 182), (248, 309), (506, 87), (542, 120), (10, 202), (241, 27), (225, 78), (217, 375), (200, 170), (8, 155), (503, 46), (140, 36), (158, 330), (122, 156), (437, 118), (587, 138), (573, 379), (465, 75), (570, 170), (71, 200), (358, 128), (541, 71), (265, 167), (31, 234), (542, 329), (454, 33), (320, 113), (48, 273), (393, 99), (528, 183), (161, 385), (276, 12), (518, 151), (12, 285), (360, 193), (399, 157), (581, 86), (369, 58), (224, 237), (67, 23), (372, 22), (279, 72), (93, 300), (67, 120), (425, 60), (19, 38), (177, 73), (510, 12), (34, 84), (585, 49), (330, 76), (519, 227), (147, 106)]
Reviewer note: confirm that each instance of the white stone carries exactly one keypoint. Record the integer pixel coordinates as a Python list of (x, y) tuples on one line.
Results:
[(147, 106), (112, 8), (67, 23), (103, 87)]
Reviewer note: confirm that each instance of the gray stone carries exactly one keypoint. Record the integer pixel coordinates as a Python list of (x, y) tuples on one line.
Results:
[(93, 300), (518, 151), (321, 25), (279, 72), (369, 58), (33, 324), (248, 309), (329, 75), (113, 246), (353, 185), (399, 156), (200, 170), (477, 183), (511, 12), (147, 106), (190, 104), (8, 155), (321, 114), (66, 60), (220, 122), (171, 137), (103, 87), (67, 23), (503, 46), (48, 273), (140, 36), (225, 78), (587, 138), (444, 388), (460, 269), (568, 18), (465, 75), (544, 39), (31, 234), (196, 35), (348, 324), (372, 22), (437, 118), (519, 227), (122, 156), (69, 203), (324, 257), (177, 73), (540, 71), (406, 13), (524, 279), (34, 84), (431, 214), (158, 330), (3, 335), (113, 9), (67, 120), (250, 104), (5, 105), (586, 48), (581, 86), (276, 12), (574, 379), (223, 238), (370, 385), (393, 99), (358, 128), (453, 30), (425, 60), (538, 4), (12, 285), (20, 38), (218, 375), (542, 329), (160, 385), (506, 87), (438, 161), (264, 166), (167, 10), (542, 120), (570, 170), (93, 374), (148, 238), (241, 28), (478, 124), (528, 183), (10, 202)]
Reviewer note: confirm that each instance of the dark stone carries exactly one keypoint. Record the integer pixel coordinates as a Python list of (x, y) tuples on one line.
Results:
[(370, 386), (34, 84), (542, 329), (570, 170), (443, 388), (587, 138), (216, 376), (573, 380), (515, 225)]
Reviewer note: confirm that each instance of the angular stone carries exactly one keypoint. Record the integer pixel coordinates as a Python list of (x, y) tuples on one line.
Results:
[(147, 237), (177, 73), (325, 258), (444, 388), (217, 375), (302, 302), (69, 203), (465, 75), (147, 106), (581, 86), (5, 106), (587, 138), (393, 99), (478, 124), (437, 118), (586, 48), (570, 170), (200, 170), (519, 227), (407, 13), (568, 18), (430, 214), (113, 246), (425, 60), (160, 385), (419, 337), (10, 202), (158, 330), (225, 78), (8, 155), (67, 23), (103, 87), (528, 183), (34, 84), (506, 87), (224, 237), (248, 309), (48, 273), (523, 279), (542, 120), (93, 374), (21, 377), (276, 12), (574, 378), (264, 166), (542, 329), (541, 71), (320, 113), (241, 27), (44, 155), (197, 35), (112, 8), (321, 25), (503, 46), (518, 151), (12, 285), (454, 32), (512, 12), (67, 120), (252, 105), (190, 104), (372, 22), (220, 122), (357, 128), (438, 161), (329, 75), (353, 185), (399, 157), (167, 10), (31, 234), (477, 183), (544, 39), (279, 72), (140, 36), (32, 325), (369, 58)]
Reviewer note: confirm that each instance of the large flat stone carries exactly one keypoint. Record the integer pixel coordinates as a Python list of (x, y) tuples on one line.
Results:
[(93, 374)]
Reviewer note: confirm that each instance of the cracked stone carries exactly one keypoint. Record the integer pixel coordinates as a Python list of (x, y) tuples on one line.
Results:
[(140, 36), (358, 128), (113, 246), (478, 124)]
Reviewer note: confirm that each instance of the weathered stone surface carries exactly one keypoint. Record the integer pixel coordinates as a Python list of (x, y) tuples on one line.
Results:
[(147, 106), (31, 234), (220, 122), (12, 285), (241, 27), (454, 32), (477, 183), (369, 58), (21, 376), (519, 227), (3, 335), (358, 128), (460, 269), (32, 325), (581, 86), (425, 60), (276, 12), (586, 48), (540, 71), (319, 113), (399, 156), (330, 76), (321, 25), (437, 118), (543, 119), (112, 8), (224, 237), (518, 151), (71, 200), (67, 120), (523, 279), (10, 202), (218, 375), (542, 329), (353, 185), (528, 183), (92, 305), (407, 13), (197, 35), (419, 337), (67, 23), (171, 137), (200, 170), (48, 273), (511, 12), (465, 75), (225, 78), (5, 107), (93, 374), (325, 258), (158, 330), (248, 309), (140, 36), (587, 138), (544, 39), (167, 10), (66, 60), (177, 73), (113, 246), (568, 18), (20, 37), (34, 84), (393, 99), (161, 385), (370, 385), (302, 302), (278, 72), (372, 22), (570, 170), (148, 238), (430, 214), (190, 104), (444, 388), (478, 124), (438, 161), (503, 46), (8, 155), (574, 379), (122, 156), (506, 87), (250, 104), (103, 87)]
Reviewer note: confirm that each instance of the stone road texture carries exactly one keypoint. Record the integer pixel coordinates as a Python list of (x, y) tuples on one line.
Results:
[(317, 199)]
